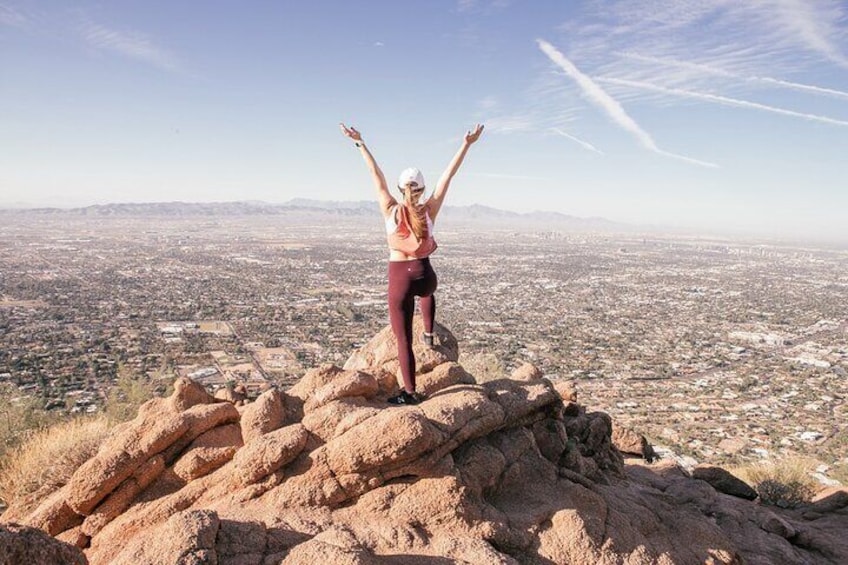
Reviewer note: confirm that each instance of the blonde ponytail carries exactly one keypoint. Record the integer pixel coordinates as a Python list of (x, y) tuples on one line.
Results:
[(416, 214)]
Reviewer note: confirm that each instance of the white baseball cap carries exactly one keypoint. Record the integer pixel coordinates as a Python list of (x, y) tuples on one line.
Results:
[(411, 176)]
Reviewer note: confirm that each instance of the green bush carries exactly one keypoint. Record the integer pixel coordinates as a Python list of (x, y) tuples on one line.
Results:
[(787, 494)]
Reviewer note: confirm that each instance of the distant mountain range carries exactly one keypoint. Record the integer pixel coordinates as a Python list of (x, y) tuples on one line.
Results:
[(475, 214)]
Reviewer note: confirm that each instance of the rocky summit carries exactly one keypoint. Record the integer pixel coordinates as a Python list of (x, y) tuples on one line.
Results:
[(506, 471)]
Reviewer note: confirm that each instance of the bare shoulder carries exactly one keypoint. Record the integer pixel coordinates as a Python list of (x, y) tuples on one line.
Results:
[(432, 207), (388, 207)]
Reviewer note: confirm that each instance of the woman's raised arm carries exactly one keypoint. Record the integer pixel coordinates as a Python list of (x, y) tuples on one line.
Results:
[(438, 198), (384, 197)]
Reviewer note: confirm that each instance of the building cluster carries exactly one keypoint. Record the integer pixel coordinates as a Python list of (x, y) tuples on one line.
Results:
[(719, 349)]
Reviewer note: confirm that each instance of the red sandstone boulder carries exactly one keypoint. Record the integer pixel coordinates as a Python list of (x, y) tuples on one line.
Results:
[(54, 515), (186, 538), (382, 350), (565, 390), (510, 471), (335, 545), (264, 415), (200, 419), (122, 497), (632, 444), (314, 379), (724, 481), (188, 393), (20, 545), (151, 433), (442, 376), (831, 499), (268, 453), (117, 460), (297, 395), (527, 372), (338, 416), (345, 385), (236, 397)]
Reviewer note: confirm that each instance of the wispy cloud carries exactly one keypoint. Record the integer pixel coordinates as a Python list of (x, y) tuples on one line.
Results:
[(814, 22), (510, 124), (775, 38), (506, 176), (488, 103), (481, 5), (11, 17), (130, 44), (584, 144), (722, 100), (75, 25), (710, 70), (599, 97)]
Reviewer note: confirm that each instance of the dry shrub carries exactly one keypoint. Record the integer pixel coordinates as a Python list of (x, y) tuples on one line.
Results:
[(127, 394), (45, 461), (20, 416), (786, 483), (839, 472), (484, 367)]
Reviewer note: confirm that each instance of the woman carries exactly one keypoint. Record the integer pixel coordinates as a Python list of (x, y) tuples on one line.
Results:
[(409, 231)]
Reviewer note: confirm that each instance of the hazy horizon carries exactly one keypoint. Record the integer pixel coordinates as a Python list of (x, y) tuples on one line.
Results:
[(840, 239), (727, 116)]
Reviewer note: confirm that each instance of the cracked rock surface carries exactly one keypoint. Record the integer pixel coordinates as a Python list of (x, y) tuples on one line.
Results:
[(506, 471)]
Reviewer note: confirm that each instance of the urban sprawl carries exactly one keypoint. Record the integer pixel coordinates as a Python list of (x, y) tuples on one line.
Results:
[(721, 350)]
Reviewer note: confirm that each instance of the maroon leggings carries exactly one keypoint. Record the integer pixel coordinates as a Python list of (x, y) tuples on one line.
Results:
[(408, 279)]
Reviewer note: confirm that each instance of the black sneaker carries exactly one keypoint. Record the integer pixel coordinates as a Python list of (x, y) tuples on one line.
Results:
[(427, 339), (419, 396), (403, 398)]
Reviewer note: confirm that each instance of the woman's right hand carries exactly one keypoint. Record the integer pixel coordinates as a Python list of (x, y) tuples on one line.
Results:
[(351, 132), (473, 135)]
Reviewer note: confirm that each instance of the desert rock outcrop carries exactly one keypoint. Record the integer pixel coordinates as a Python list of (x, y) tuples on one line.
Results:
[(506, 471), (25, 544)]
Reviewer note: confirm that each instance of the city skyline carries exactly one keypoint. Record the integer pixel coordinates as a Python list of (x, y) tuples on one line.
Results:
[(726, 115)]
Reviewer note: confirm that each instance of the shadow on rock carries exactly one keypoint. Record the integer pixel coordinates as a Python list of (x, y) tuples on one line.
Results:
[(506, 471)]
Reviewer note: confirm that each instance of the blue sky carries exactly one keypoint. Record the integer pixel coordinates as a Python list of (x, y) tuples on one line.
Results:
[(728, 114)]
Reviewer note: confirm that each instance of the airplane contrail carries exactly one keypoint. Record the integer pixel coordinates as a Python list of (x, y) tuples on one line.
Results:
[(800, 86), (722, 100), (599, 97), (584, 144), (750, 78), (814, 25)]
